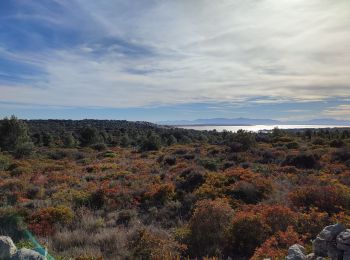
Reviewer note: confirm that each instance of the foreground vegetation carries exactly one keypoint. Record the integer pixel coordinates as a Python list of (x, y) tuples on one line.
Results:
[(120, 190)]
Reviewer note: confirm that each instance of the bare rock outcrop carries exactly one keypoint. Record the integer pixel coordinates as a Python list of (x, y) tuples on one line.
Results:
[(333, 242), (7, 247), (8, 251)]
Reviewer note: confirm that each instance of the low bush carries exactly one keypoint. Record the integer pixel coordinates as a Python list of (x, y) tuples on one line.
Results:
[(337, 143), (276, 247), (246, 232), (208, 227), (4, 162), (24, 149), (330, 199), (302, 160), (189, 180), (153, 243), (341, 155)]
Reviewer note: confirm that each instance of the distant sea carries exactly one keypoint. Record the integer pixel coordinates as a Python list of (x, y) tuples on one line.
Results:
[(255, 128)]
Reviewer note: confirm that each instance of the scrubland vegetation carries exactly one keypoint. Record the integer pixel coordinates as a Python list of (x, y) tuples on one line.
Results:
[(120, 190)]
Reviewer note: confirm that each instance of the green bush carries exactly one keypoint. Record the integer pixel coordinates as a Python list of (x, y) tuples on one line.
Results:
[(292, 145), (24, 149), (13, 134), (4, 162)]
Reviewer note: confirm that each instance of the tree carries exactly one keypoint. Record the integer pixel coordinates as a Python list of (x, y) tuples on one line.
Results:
[(14, 135), (68, 140), (88, 136), (151, 142)]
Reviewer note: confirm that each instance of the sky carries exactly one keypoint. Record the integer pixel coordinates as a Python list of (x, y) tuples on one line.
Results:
[(160, 60)]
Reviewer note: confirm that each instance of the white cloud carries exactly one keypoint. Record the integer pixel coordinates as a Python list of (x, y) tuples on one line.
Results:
[(339, 112), (200, 51)]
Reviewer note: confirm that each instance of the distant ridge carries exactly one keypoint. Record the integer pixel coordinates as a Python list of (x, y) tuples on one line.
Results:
[(248, 121)]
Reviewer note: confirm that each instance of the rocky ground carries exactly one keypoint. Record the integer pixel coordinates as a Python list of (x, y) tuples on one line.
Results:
[(8, 250), (332, 242)]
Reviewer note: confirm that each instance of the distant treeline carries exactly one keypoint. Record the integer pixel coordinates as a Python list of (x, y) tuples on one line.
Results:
[(20, 136)]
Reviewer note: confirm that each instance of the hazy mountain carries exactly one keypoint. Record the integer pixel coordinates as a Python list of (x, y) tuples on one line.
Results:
[(249, 121)]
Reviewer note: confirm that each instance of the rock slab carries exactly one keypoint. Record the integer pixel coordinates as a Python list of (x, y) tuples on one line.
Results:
[(7, 247), (27, 254), (296, 252), (9, 251)]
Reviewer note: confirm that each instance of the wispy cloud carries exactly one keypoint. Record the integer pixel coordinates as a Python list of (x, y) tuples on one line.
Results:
[(339, 112), (123, 54)]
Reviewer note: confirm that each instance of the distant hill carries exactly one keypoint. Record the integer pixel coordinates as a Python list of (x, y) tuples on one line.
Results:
[(248, 121)]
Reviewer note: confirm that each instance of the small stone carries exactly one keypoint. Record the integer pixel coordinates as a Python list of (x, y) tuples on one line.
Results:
[(296, 252), (310, 256), (27, 254), (7, 247)]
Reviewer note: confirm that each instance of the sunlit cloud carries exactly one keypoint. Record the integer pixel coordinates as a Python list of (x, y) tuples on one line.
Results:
[(124, 54), (339, 112)]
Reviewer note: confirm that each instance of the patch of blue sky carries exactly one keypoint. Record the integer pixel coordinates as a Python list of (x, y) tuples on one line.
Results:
[(188, 111), (13, 71)]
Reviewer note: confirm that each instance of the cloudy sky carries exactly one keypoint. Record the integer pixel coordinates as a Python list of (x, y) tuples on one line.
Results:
[(184, 59)]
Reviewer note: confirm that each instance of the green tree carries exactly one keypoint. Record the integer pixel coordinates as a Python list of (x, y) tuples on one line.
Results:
[(69, 140), (89, 136), (151, 143), (14, 135)]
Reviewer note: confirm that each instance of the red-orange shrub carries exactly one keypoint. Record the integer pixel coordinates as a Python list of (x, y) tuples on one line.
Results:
[(43, 221), (331, 199), (276, 247)]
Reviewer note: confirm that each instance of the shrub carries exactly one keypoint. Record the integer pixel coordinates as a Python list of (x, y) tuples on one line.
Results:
[(23, 149), (292, 145), (125, 216), (69, 140), (210, 165), (319, 141), (247, 192), (152, 243), (277, 217), (337, 143), (57, 154), (208, 227), (158, 194), (330, 199), (170, 160), (303, 160), (99, 147), (341, 154), (110, 154), (311, 223), (81, 244), (4, 162), (248, 186), (42, 222), (246, 232), (96, 200), (189, 180), (276, 247)]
